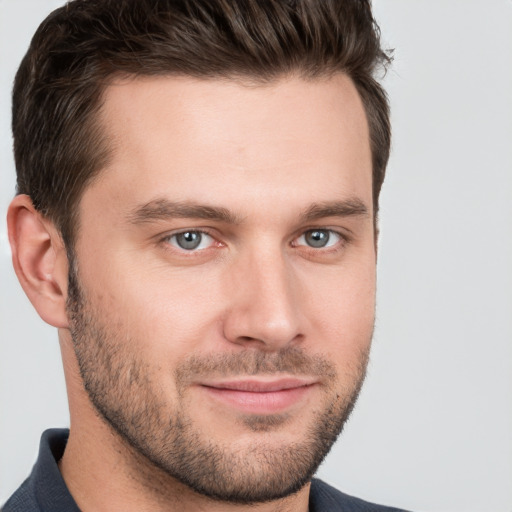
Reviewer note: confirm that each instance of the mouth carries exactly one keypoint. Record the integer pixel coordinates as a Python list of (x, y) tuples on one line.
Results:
[(260, 396)]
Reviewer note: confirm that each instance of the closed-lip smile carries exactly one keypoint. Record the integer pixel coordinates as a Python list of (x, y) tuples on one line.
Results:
[(260, 395)]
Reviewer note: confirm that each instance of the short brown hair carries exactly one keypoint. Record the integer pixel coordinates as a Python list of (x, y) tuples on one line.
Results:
[(77, 50)]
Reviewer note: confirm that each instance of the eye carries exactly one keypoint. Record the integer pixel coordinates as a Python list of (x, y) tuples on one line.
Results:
[(191, 240), (319, 238)]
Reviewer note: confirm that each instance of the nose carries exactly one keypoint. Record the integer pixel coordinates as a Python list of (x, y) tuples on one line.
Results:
[(263, 309)]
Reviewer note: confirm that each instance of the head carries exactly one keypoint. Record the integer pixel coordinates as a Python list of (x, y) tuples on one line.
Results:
[(212, 169)]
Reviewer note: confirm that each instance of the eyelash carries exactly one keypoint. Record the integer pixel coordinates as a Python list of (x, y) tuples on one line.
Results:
[(343, 239), (167, 240)]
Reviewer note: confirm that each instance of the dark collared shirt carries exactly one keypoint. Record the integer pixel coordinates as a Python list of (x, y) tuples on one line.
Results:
[(45, 490)]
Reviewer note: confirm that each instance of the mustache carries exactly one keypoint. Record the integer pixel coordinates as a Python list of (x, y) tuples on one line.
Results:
[(290, 360)]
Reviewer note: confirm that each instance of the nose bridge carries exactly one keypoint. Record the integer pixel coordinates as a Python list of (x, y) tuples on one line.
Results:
[(264, 306)]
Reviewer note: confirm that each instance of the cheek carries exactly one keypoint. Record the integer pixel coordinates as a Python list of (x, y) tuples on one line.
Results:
[(176, 311), (171, 311), (342, 309)]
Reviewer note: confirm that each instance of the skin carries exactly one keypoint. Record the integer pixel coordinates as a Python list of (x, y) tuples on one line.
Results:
[(254, 288)]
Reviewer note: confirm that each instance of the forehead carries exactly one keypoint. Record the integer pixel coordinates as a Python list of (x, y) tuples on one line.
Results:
[(217, 138)]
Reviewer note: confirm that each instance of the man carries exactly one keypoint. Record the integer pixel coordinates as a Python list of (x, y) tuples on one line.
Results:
[(198, 193)]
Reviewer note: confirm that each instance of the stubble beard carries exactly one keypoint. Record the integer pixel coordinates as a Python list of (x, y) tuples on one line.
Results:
[(164, 437)]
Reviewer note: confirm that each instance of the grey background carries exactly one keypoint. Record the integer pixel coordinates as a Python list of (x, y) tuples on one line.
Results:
[(433, 428)]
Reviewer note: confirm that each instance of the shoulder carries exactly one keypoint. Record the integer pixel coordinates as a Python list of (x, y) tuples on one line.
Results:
[(23, 500), (44, 490), (324, 498)]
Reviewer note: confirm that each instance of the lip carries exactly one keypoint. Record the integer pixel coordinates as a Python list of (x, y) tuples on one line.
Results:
[(260, 396)]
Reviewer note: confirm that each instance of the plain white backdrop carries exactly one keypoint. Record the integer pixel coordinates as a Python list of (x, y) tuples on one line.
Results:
[(432, 431)]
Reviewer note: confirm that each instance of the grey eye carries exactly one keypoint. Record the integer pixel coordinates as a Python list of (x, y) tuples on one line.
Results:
[(317, 238), (189, 240)]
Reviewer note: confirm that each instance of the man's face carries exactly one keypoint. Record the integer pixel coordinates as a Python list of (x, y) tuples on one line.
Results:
[(223, 302)]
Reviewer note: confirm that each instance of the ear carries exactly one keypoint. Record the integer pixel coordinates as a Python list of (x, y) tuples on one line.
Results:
[(39, 259)]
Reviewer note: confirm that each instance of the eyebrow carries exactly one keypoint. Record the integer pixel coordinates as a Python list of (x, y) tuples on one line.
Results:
[(353, 207), (163, 209)]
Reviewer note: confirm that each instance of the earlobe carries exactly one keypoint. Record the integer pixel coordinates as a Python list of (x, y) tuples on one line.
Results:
[(39, 260)]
